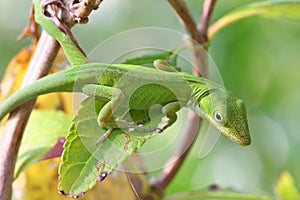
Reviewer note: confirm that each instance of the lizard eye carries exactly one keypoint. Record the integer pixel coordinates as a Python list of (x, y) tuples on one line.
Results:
[(218, 117)]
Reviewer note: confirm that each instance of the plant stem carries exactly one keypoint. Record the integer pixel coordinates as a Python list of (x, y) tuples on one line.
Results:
[(39, 66), (175, 162), (137, 181), (199, 62), (231, 18), (205, 18), (200, 59), (186, 19)]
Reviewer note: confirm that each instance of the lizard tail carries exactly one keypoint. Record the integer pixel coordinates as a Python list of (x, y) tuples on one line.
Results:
[(48, 84)]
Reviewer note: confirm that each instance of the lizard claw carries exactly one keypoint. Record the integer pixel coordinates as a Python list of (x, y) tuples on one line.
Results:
[(104, 136), (165, 121), (159, 130)]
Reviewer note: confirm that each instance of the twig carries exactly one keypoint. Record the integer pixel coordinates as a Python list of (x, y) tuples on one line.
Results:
[(199, 60), (205, 18), (186, 19), (39, 66), (179, 155), (136, 175), (200, 54), (200, 46), (32, 28)]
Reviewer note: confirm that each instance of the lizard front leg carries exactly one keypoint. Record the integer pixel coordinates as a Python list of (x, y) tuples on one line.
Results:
[(165, 66)]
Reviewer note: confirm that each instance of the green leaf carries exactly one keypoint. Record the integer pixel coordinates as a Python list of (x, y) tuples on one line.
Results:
[(215, 192), (42, 132), (270, 9), (285, 187), (74, 55), (148, 59), (83, 161)]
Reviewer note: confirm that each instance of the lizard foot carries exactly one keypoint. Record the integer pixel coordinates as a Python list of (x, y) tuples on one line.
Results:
[(104, 136)]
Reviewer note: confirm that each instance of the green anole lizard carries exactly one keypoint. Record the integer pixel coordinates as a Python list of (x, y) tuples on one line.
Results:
[(140, 87)]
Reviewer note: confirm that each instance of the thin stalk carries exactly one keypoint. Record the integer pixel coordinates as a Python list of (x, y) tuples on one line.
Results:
[(200, 67), (39, 66), (44, 55)]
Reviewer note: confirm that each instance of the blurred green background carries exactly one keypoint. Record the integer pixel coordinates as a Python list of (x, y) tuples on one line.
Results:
[(259, 60)]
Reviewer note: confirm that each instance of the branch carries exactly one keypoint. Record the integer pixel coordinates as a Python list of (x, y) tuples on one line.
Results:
[(200, 54), (186, 19), (204, 20), (39, 66), (136, 175), (199, 62), (175, 162)]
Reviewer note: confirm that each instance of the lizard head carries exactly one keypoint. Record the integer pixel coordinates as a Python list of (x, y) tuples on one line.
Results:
[(225, 112)]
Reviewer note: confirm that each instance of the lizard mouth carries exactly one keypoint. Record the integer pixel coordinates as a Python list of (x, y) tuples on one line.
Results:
[(246, 140), (239, 137), (243, 140)]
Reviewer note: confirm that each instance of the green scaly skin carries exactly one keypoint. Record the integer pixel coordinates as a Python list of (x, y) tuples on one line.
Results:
[(140, 88)]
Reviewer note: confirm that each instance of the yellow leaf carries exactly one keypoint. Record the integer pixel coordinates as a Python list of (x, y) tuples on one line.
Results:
[(15, 72), (14, 75), (40, 182), (285, 187)]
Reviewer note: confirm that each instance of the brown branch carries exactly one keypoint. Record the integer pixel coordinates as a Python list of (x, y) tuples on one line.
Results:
[(175, 162), (39, 66), (186, 19), (199, 62), (208, 7), (136, 175)]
